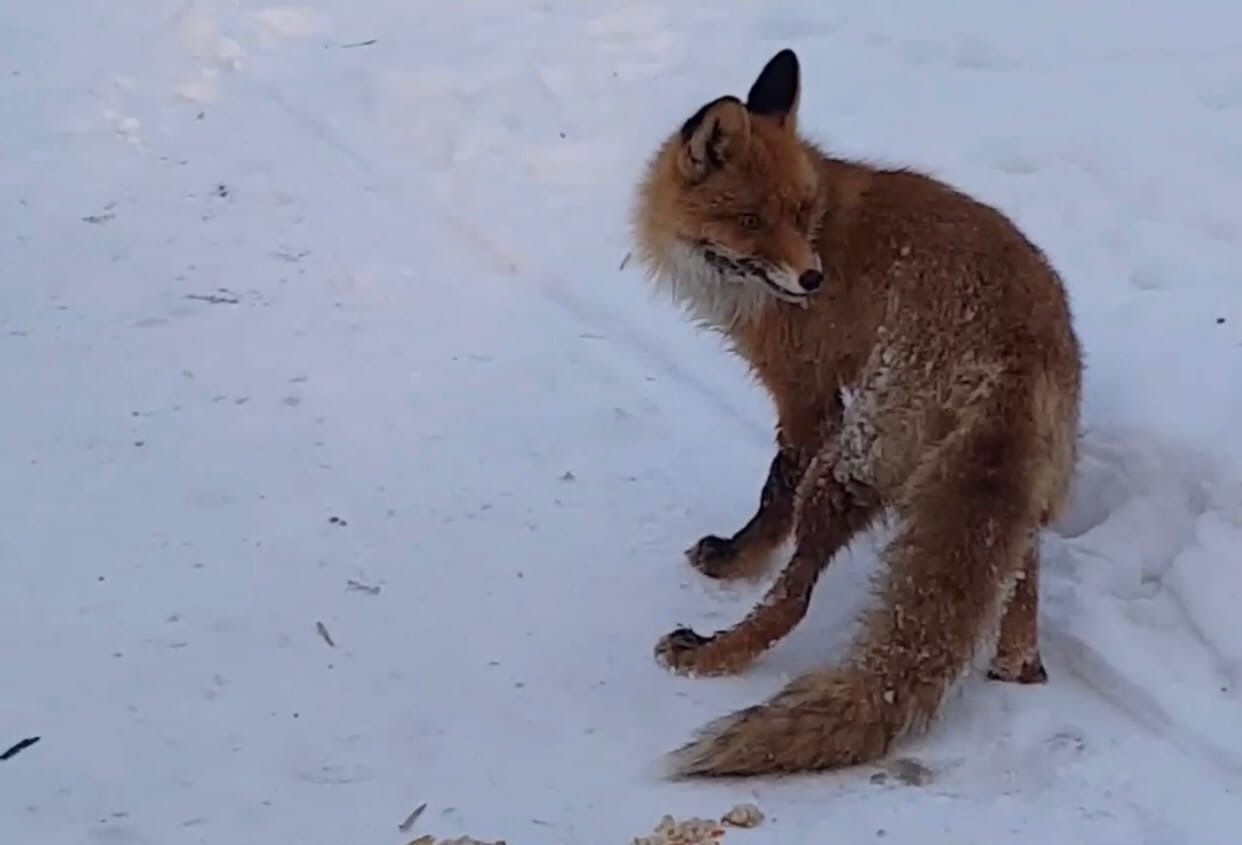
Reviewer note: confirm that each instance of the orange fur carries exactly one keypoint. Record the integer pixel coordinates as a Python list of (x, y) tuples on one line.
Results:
[(921, 357)]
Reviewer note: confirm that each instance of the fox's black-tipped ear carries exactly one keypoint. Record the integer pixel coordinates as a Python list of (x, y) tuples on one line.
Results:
[(775, 93), (712, 135)]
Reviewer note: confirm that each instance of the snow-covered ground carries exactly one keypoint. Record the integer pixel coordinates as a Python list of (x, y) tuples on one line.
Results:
[(311, 320)]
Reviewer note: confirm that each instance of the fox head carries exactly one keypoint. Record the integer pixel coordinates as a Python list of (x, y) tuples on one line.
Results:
[(730, 208)]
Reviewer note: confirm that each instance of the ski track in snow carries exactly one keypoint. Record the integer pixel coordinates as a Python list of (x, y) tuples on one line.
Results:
[(314, 316)]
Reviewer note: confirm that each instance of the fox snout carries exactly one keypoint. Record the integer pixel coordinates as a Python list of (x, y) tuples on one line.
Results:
[(799, 271), (779, 277), (800, 281)]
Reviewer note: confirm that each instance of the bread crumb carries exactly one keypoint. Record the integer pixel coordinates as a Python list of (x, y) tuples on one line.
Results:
[(743, 815), (693, 831)]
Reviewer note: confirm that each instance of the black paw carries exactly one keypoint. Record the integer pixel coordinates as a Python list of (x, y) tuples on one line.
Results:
[(711, 555), (675, 650), (1030, 673)]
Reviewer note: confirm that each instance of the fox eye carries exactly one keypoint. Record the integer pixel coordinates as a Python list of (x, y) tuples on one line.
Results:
[(748, 221), (803, 216)]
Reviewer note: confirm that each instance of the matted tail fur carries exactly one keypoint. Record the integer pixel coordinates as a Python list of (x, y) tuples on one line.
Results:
[(966, 525)]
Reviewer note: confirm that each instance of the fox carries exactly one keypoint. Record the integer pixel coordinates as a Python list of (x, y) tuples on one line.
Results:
[(921, 358)]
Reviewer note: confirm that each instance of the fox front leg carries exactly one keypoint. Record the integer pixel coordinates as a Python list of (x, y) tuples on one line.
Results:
[(830, 512), (750, 552)]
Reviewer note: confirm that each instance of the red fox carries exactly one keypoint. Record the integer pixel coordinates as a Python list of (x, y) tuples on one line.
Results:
[(922, 360)]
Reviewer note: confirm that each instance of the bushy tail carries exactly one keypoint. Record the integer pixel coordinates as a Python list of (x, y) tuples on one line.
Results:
[(949, 568), (823, 720)]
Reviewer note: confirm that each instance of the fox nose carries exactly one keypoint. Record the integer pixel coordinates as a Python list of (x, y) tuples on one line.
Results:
[(811, 280)]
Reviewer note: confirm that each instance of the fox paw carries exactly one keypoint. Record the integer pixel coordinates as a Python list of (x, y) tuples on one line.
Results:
[(713, 556), (675, 650), (1029, 672)]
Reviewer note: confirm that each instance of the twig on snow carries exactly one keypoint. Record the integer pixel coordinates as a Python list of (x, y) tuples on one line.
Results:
[(407, 825), (213, 298), (19, 747)]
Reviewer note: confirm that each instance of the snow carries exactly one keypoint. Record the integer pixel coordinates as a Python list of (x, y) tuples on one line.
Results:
[(303, 295)]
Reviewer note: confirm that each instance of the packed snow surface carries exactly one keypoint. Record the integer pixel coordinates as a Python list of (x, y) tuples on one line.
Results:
[(346, 469)]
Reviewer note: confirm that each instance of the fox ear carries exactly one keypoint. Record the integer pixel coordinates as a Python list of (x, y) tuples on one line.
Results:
[(712, 135), (776, 90)]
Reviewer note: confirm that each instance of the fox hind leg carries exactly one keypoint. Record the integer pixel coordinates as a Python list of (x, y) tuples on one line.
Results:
[(1017, 658)]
